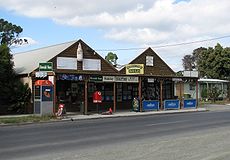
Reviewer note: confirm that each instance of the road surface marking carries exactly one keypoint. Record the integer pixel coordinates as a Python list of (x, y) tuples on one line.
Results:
[(166, 123)]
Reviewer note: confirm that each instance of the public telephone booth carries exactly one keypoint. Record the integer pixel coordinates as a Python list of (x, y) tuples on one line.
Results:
[(43, 97)]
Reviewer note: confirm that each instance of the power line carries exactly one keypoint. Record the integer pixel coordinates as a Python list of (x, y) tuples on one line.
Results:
[(167, 45)]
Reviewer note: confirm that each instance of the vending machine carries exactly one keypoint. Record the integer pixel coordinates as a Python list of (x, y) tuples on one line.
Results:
[(43, 97)]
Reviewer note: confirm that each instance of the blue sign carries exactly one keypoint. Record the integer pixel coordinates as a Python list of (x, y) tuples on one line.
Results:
[(47, 93), (190, 103), (172, 104), (150, 105), (71, 77)]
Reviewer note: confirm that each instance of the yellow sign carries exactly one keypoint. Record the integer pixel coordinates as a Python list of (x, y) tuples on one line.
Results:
[(134, 69)]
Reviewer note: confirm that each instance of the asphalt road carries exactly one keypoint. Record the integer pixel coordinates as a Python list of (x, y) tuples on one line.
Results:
[(185, 136)]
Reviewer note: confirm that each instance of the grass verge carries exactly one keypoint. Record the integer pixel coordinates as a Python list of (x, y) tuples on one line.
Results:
[(26, 119)]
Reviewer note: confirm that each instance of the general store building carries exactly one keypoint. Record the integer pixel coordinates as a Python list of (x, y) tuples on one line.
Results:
[(77, 71)]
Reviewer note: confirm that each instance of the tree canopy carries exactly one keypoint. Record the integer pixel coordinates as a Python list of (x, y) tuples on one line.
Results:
[(12, 91), (211, 62), (111, 58), (9, 33)]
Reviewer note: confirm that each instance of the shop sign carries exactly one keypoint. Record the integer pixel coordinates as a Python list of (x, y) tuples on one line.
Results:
[(172, 104), (150, 105), (149, 60), (132, 79), (151, 80), (135, 69), (108, 78), (40, 74), (71, 77), (177, 79), (95, 78), (126, 79), (190, 103), (47, 93), (46, 66)]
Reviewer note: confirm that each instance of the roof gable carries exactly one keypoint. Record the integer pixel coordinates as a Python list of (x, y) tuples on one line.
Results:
[(26, 62), (159, 68), (88, 53)]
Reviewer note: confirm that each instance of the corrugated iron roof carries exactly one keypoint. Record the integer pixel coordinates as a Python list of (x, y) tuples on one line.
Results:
[(26, 62), (212, 80)]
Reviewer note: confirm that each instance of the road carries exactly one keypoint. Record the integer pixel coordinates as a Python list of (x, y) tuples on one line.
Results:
[(186, 136)]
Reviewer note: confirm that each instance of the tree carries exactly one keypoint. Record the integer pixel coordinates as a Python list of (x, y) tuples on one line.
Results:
[(210, 62), (7, 73), (215, 62), (111, 58), (188, 62), (12, 90), (9, 33)]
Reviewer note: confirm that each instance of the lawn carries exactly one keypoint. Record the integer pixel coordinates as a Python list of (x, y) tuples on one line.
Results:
[(26, 119)]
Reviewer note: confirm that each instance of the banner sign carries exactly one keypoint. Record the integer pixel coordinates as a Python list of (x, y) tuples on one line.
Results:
[(190, 103), (41, 74), (46, 66), (171, 104), (71, 77), (108, 78), (150, 105), (126, 79), (95, 78), (134, 69)]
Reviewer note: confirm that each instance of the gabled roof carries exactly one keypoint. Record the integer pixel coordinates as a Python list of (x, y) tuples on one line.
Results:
[(26, 62), (159, 68)]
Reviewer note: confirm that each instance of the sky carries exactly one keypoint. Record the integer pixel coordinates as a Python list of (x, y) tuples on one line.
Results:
[(126, 28)]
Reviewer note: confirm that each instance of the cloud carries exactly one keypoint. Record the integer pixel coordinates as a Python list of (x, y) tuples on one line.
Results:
[(140, 22), (150, 21)]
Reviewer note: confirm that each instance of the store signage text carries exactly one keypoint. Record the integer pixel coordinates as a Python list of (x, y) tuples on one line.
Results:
[(40, 74), (95, 78), (71, 77), (135, 69), (120, 79), (46, 66)]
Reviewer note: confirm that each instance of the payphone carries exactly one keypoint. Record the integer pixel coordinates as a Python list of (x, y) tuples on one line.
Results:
[(43, 97)]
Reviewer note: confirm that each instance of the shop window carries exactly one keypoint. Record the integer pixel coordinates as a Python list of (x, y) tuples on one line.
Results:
[(192, 87)]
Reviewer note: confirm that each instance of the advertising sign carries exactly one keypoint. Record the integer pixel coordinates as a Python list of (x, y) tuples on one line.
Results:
[(97, 97), (126, 79), (150, 105), (95, 78), (108, 78), (47, 93), (172, 104), (134, 69), (48, 66), (71, 77), (190, 103)]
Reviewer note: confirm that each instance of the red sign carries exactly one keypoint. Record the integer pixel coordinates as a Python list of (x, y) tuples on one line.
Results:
[(97, 98)]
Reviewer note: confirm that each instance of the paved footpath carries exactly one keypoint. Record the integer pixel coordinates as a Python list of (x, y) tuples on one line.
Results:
[(128, 114)]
